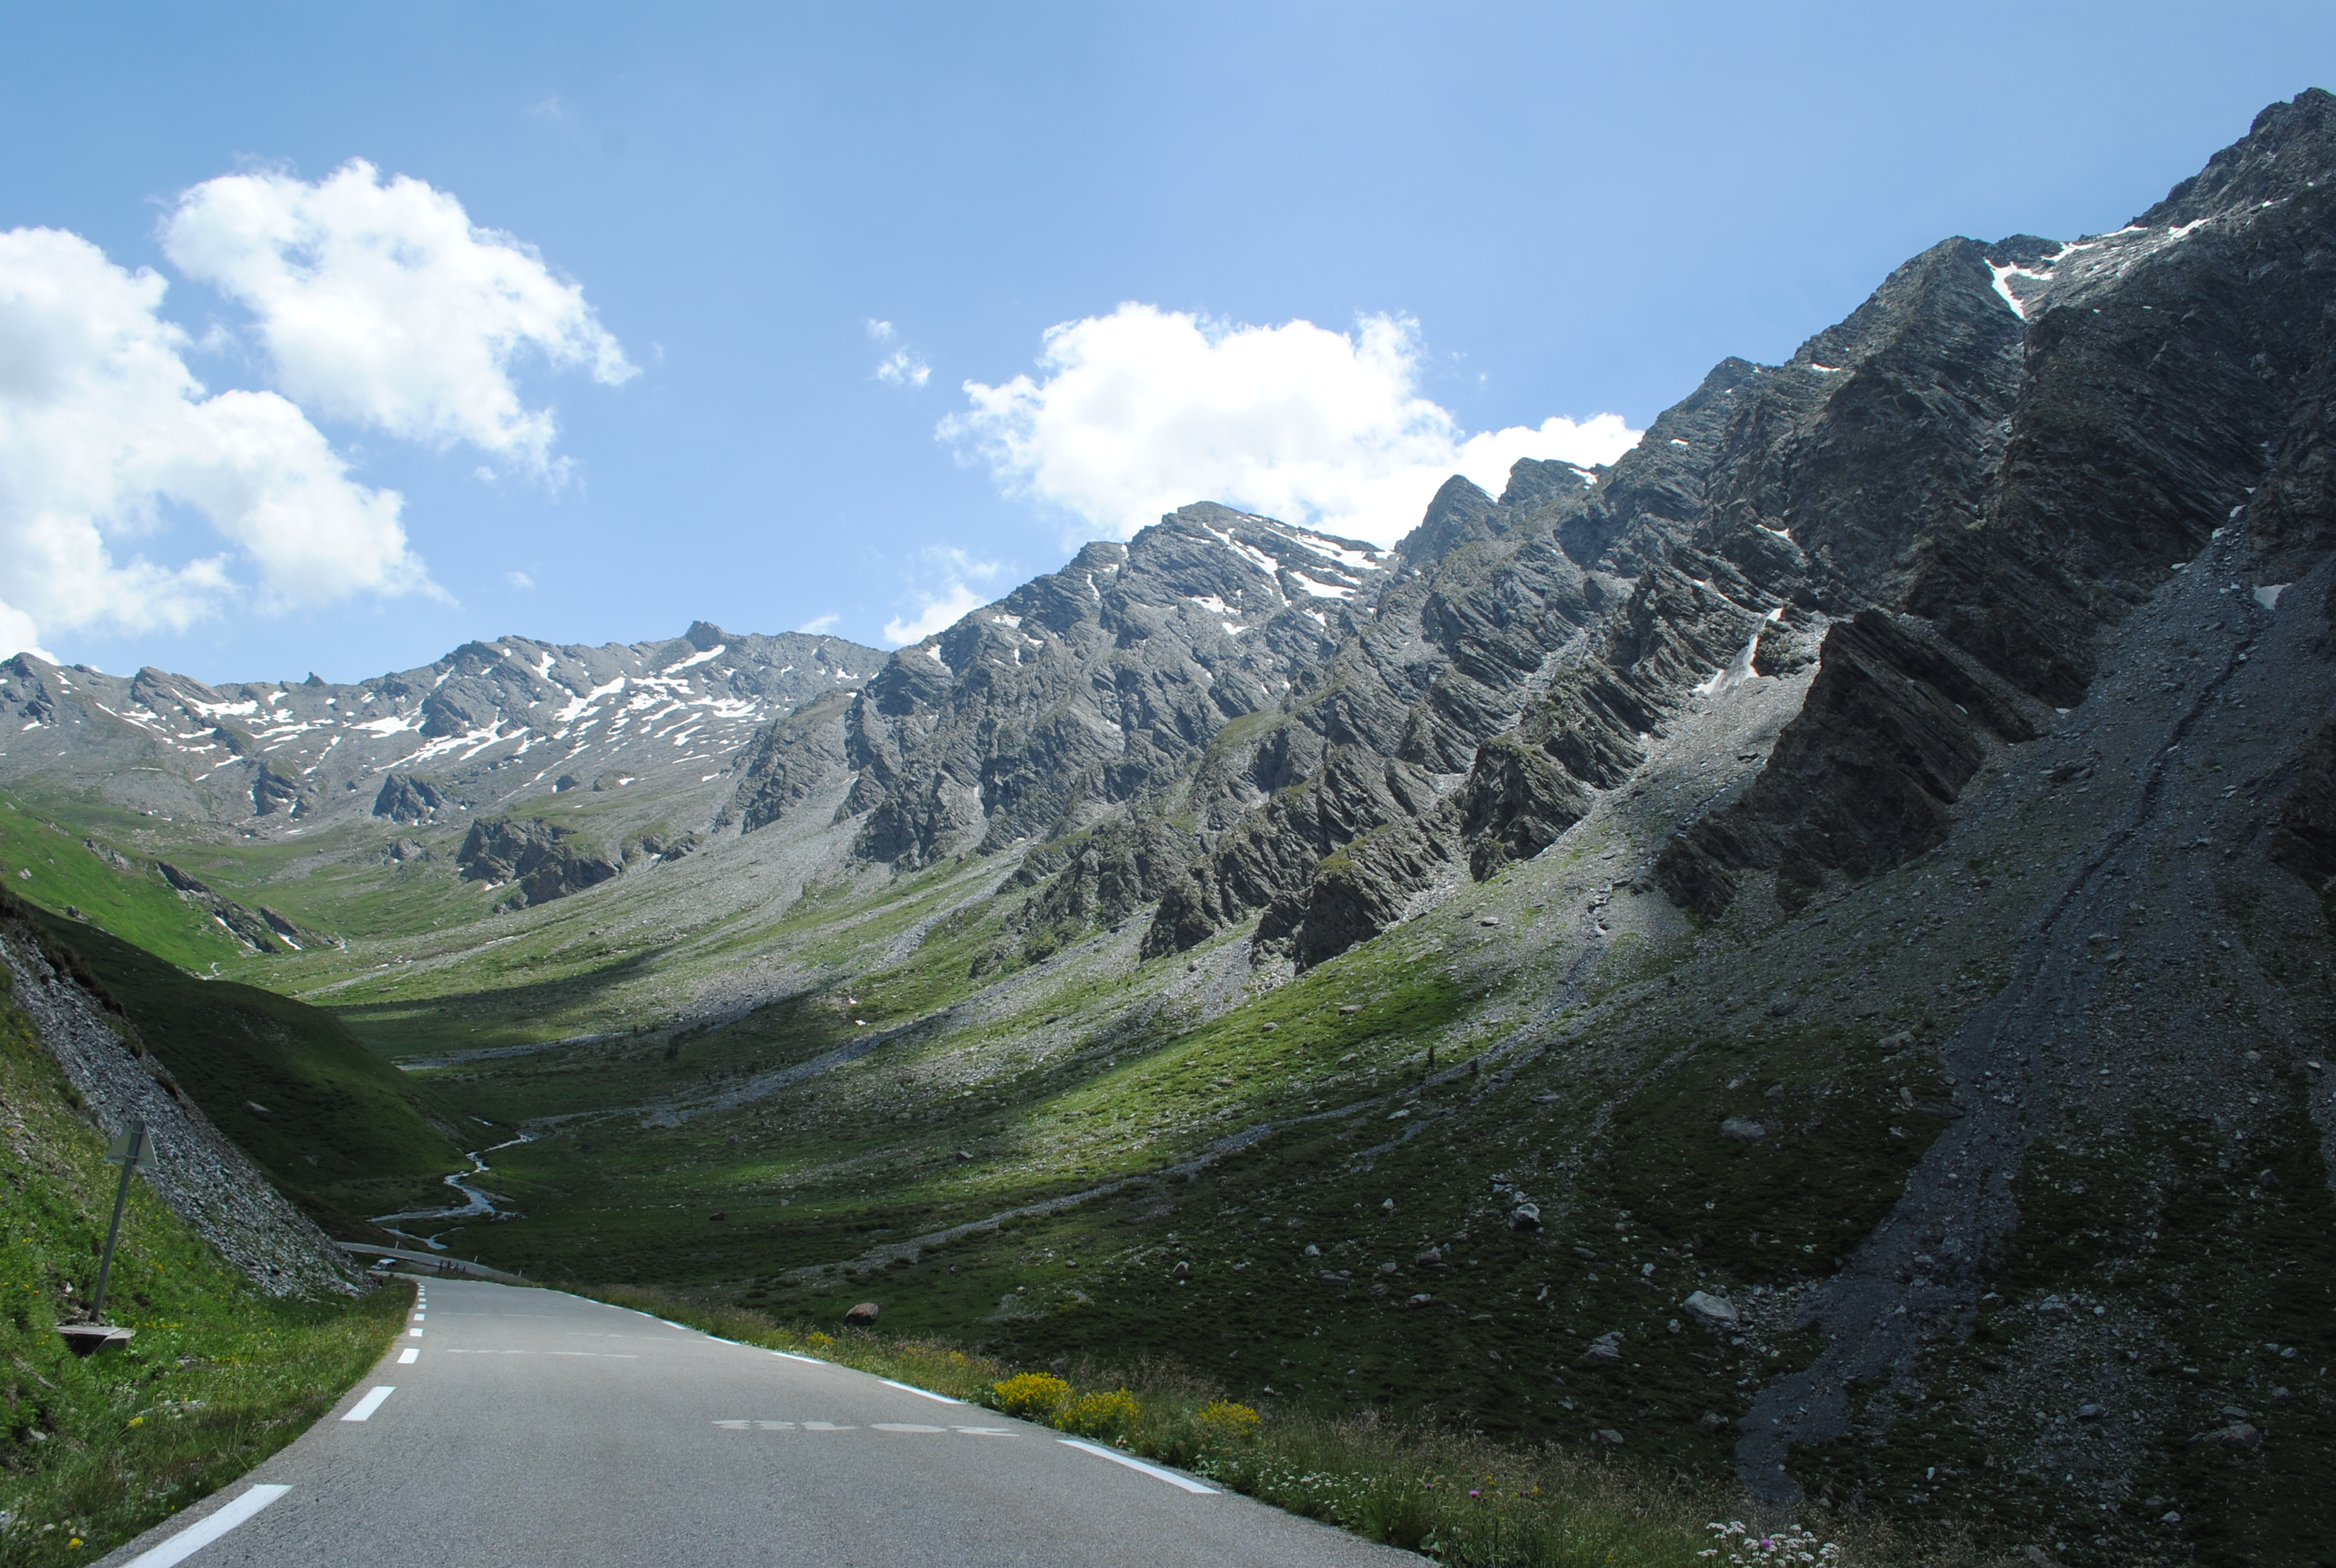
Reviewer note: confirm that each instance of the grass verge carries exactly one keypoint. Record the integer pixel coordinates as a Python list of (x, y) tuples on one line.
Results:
[(1454, 1496), (105, 1447), (219, 1377)]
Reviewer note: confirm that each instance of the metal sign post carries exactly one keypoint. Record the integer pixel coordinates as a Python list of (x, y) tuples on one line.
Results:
[(133, 1150)]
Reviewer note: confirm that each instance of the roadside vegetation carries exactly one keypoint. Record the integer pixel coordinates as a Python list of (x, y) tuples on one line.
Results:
[(219, 1376), (1452, 1494)]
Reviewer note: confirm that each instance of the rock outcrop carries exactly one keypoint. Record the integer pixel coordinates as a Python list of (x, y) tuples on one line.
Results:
[(206, 1179), (255, 930), (1097, 687), (403, 798), (542, 860), (272, 792), (788, 763)]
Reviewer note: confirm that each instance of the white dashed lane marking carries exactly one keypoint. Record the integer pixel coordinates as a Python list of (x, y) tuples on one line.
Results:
[(204, 1530), (411, 1354), (746, 1426), (603, 1355), (364, 1408)]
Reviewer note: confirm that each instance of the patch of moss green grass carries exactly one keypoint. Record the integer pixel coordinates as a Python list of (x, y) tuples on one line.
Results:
[(594, 963), (137, 903), (336, 1128), (342, 881), (933, 1132), (1450, 1493), (94, 1450)]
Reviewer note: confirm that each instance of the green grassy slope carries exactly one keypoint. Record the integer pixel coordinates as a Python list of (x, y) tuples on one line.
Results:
[(1403, 1097), (1236, 1171), (336, 1127), (1210, 1269), (49, 863), (218, 1377)]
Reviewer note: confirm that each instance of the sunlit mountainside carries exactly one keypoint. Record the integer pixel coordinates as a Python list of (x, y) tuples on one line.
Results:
[(1802, 952)]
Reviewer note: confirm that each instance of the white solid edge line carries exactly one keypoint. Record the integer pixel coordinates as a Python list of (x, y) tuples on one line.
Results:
[(411, 1354), (1154, 1471), (203, 1531), (364, 1408), (806, 1360), (911, 1389)]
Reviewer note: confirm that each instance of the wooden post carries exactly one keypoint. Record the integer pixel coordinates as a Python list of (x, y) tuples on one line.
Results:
[(133, 1149)]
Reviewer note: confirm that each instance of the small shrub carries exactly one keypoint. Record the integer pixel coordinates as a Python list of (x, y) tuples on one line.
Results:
[(815, 1340), (1100, 1414), (1035, 1395), (1223, 1419)]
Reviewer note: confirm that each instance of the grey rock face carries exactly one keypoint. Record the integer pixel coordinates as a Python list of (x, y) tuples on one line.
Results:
[(1096, 880), (2305, 839), (206, 1179), (406, 799), (489, 724), (547, 861), (1892, 728), (788, 763), (1079, 692), (272, 792)]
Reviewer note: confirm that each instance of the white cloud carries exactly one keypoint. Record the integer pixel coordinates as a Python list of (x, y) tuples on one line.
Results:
[(940, 612), (17, 634), (956, 563), (820, 624), (383, 302), (520, 580), (943, 609), (904, 366), (107, 439), (1143, 409), (901, 367)]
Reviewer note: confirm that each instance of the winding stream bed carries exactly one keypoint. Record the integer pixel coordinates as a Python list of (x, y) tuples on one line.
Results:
[(475, 1202)]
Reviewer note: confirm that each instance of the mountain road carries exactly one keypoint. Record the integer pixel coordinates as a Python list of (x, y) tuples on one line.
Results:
[(523, 1428)]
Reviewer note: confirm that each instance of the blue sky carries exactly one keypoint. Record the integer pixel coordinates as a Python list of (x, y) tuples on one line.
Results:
[(1496, 216)]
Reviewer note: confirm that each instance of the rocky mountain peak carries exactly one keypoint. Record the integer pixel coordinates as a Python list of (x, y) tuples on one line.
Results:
[(2290, 150), (1461, 514), (482, 727)]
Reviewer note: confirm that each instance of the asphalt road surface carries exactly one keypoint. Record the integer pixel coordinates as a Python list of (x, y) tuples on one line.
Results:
[(526, 1428)]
